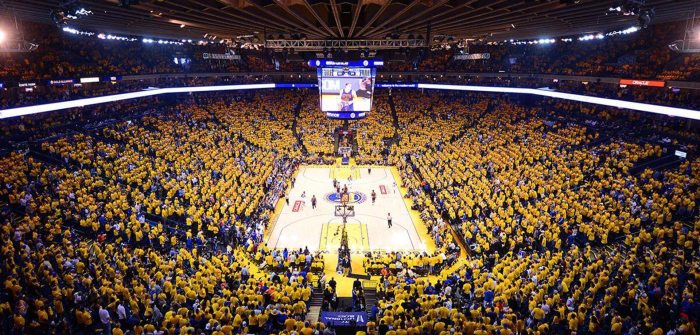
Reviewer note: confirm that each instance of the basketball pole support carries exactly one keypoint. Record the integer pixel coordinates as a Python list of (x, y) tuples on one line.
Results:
[(344, 245)]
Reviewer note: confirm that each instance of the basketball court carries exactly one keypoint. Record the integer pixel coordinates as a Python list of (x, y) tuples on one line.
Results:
[(298, 225)]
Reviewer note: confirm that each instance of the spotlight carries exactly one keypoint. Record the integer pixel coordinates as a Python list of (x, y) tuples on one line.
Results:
[(2, 36), (182, 26)]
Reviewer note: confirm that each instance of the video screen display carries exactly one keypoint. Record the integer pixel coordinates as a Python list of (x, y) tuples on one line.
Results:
[(346, 92)]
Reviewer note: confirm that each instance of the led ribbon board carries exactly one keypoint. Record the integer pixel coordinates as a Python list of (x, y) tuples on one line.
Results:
[(20, 111), (671, 111)]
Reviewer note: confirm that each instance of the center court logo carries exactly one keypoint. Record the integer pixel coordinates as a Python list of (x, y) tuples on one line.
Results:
[(355, 197)]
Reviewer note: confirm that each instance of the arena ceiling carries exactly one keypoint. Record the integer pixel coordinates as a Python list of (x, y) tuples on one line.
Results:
[(342, 19)]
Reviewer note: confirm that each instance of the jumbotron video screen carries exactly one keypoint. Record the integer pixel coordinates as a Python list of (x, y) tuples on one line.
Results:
[(346, 92)]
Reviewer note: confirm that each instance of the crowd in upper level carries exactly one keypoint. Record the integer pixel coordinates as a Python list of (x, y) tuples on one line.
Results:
[(643, 54)]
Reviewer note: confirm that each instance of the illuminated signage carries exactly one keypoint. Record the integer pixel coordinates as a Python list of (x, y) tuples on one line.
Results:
[(90, 80), (648, 83), (61, 81)]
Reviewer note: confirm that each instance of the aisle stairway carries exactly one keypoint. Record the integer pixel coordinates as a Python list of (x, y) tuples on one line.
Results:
[(657, 164), (315, 305), (371, 298)]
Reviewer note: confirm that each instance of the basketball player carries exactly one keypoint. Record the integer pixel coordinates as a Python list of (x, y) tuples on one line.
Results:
[(388, 219), (313, 201), (374, 196), (346, 98)]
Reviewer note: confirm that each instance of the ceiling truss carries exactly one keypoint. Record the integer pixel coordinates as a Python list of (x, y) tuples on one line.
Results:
[(353, 19)]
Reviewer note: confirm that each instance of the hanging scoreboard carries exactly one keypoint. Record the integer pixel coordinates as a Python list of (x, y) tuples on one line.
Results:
[(346, 89)]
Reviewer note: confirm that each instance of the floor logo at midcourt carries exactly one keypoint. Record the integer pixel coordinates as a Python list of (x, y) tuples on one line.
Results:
[(355, 197)]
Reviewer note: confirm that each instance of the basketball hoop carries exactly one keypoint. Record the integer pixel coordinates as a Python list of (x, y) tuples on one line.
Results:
[(345, 151), (344, 211)]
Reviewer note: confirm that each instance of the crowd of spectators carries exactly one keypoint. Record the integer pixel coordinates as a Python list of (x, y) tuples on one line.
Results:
[(563, 236), (541, 219), (154, 224), (63, 55), (641, 55)]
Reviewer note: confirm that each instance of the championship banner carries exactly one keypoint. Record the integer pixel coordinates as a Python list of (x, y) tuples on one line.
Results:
[(472, 56), (344, 318), (648, 83)]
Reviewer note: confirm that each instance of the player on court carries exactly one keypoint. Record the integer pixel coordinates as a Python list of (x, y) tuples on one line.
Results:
[(313, 201), (388, 219), (374, 196)]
